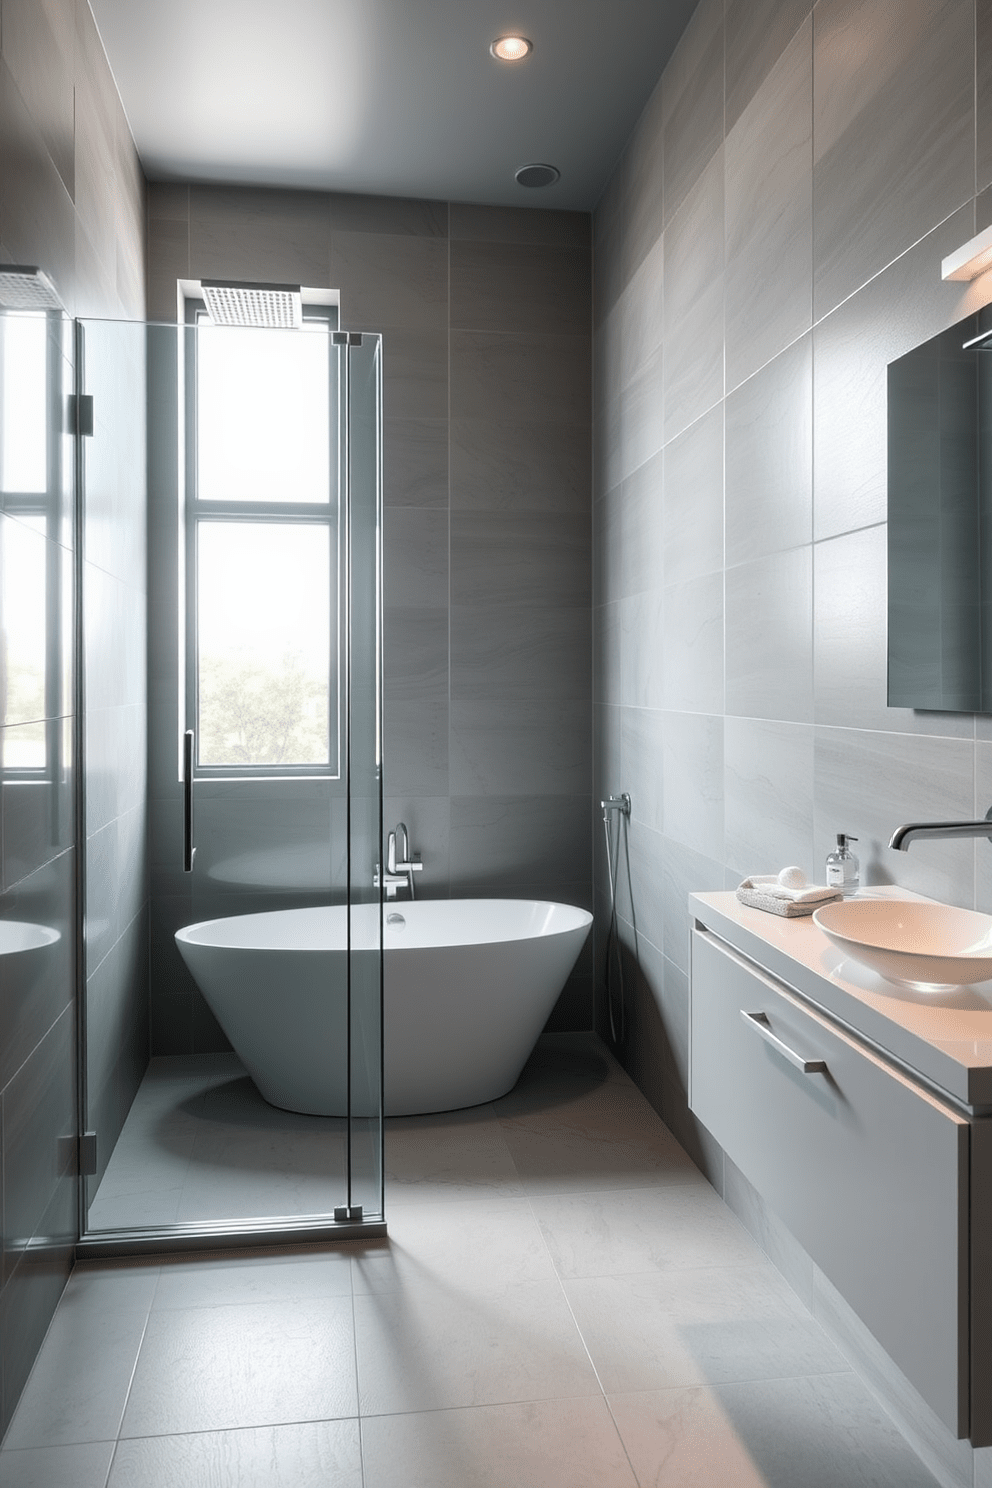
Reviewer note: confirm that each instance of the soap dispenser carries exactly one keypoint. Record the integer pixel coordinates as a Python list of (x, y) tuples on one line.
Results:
[(843, 868)]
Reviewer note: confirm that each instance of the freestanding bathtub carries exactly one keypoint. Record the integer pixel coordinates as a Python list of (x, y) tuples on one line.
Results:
[(469, 984)]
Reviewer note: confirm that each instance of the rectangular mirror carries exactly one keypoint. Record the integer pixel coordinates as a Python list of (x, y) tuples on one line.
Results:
[(940, 521)]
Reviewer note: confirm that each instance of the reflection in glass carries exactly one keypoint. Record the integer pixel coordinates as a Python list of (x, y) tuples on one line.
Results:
[(263, 415), (263, 652), (23, 639)]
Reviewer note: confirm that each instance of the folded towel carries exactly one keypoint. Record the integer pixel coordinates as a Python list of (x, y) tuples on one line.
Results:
[(766, 891)]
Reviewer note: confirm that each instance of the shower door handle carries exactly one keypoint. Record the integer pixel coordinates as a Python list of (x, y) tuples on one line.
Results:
[(189, 851)]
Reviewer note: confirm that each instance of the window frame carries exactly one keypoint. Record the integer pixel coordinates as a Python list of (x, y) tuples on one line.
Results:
[(323, 514)]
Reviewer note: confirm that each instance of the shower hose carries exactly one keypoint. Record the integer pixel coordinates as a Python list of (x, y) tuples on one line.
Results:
[(618, 806)]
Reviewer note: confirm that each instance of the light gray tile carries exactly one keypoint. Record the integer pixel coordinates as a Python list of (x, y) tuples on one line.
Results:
[(215, 1368), (455, 1243), (892, 138), (867, 783), (693, 103), (501, 286), (415, 752), (39, 47), (693, 775), (535, 1443), (983, 114), (768, 788), (606, 654), (642, 315), (642, 674), (304, 1455), (510, 558), (640, 893), (898, 310), (608, 517), (680, 1228), (699, 1327), (523, 465), (509, 652), (694, 500), (414, 372), (850, 633), (769, 206), (390, 279), (640, 408), (758, 32), (769, 619), (769, 424), (505, 376), (415, 463), (693, 620), (248, 232), (441, 1159), (642, 732), (35, 207), (82, 1466), (607, 776), (190, 1281), (517, 839), (415, 654), (694, 257), (642, 173), (642, 523), (765, 1432), (427, 1348), (686, 872), (520, 747), (415, 557)]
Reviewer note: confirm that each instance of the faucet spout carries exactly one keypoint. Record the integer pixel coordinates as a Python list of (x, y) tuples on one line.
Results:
[(910, 831)]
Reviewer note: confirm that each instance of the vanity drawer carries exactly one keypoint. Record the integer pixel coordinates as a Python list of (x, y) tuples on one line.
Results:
[(867, 1170)]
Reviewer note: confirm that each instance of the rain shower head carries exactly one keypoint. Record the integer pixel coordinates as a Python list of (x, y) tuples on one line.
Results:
[(24, 287), (267, 306)]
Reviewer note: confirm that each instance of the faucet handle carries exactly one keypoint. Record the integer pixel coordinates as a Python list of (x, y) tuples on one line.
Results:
[(391, 852)]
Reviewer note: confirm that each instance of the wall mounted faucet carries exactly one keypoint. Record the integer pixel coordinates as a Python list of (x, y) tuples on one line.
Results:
[(400, 864), (909, 831)]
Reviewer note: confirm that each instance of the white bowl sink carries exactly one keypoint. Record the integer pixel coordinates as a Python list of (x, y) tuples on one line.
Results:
[(923, 946)]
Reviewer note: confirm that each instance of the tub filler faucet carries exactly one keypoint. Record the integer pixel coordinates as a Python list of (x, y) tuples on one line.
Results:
[(400, 865)]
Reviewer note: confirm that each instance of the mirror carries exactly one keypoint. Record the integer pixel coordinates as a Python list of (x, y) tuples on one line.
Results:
[(940, 521)]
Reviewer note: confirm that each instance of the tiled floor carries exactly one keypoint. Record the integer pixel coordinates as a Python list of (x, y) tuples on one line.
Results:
[(563, 1300), (200, 1144)]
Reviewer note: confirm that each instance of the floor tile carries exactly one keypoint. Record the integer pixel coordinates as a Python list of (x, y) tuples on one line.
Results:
[(822, 1433), (429, 1347), (602, 1139), (451, 1155), (697, 1327), (309, 1454), (193, 1281), (455, 1245), (212, 1368), (83, 1466), (624, 1233), (535, 1445)]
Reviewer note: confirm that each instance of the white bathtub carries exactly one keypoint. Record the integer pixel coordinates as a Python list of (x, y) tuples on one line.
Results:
[(469, 984)]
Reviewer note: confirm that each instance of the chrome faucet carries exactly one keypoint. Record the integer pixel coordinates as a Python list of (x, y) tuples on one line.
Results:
[(400, 865), (909, 831)]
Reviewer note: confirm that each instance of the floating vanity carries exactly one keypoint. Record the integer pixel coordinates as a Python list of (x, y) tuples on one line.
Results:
[(862, 1114)]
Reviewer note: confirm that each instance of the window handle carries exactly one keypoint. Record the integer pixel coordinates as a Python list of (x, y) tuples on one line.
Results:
[(189, 851)]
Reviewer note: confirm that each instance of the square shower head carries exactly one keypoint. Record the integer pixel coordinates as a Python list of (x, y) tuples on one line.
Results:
[(266, 306)]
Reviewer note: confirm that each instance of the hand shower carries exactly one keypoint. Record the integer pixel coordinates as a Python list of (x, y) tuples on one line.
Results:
[(620, 807)]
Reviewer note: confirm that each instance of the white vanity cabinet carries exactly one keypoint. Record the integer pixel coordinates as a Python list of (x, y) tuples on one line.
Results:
[(880, 1178)]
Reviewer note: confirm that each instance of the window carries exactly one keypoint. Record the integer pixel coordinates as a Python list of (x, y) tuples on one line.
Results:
[(262, 552)]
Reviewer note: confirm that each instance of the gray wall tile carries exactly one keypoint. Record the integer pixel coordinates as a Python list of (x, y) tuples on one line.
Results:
[(693, 782), (769, 475), (642, 737), (518, 225), (501, 286), (500, 651), (768, 770), (758, 32), (415, 557), (770, 637), (694, 474), (893, 138), (520, 747), (415, 654), (519, 465), (983, 98), (504, 376), (499, 841), (642, 175), (415, 463), (639, 512), (769, 201), (694, 645), (388, 279), (253, 233), (519, 559), (694, 256), (692, 105), (39, 45)]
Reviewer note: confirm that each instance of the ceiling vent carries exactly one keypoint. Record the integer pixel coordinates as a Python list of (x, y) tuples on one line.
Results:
[(23, 287), (537, 175), (263, 306)]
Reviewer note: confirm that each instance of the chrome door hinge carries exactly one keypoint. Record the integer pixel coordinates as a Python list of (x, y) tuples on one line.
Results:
[(80, 414)]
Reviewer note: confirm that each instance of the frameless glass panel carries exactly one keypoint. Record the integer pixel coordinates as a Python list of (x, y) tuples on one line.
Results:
[(23, 637), (24, 406), (263, 643), (263, 407)]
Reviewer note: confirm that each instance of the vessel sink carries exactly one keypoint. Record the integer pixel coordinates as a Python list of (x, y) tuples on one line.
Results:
[(923, 946)]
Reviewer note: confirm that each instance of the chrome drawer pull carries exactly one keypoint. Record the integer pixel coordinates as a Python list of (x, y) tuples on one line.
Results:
[(759, 1022)]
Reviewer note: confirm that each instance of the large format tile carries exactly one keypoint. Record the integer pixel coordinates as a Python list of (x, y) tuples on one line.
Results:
[(769, 497), (85, 1465), (415, 557), (427, 1348), (694, 643), (258, 234), (770, 637), (509, 841), (310, 1454), (893, 135), (692, 103), (531, 1445), (447, 1156), (519, 464), (415, 653), (641, 753), (693, 502), (414, 463), (678, 1227), (693, 781), (642, 671), (686, 872), (452, 1244), (983, 105), (527, 746), (502, 375), (768, 796), (523, 560), (758, 32), (38, 1114), (705, 1326), (769, 210), (641, 174), (390, 279), (500, 652), (694, 259), (824, 1431), (635, 520), (257, 1364), (501, 286), (471, 223)]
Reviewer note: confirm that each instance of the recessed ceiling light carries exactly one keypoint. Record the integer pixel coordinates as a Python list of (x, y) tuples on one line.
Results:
[(511, 48), (537, 175)]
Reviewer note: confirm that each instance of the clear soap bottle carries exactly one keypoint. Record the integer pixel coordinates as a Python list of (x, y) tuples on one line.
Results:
[(843, 868)]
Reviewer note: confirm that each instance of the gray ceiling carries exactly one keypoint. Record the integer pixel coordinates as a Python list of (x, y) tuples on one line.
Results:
[(393, 96)]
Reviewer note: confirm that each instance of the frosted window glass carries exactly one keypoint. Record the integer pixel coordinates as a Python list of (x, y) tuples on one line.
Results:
[(23, 434), (263, 415), (263, 664)]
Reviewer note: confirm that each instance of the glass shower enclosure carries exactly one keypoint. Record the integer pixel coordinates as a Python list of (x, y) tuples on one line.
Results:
[(229, 487)]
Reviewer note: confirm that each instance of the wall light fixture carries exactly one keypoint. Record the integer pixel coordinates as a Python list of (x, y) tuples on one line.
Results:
[(970, 260)]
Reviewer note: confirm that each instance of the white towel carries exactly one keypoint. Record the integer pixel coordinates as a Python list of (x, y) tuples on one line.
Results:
[(766, 891)]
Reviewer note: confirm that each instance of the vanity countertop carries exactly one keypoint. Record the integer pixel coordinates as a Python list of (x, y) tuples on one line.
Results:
[(945, 1036)]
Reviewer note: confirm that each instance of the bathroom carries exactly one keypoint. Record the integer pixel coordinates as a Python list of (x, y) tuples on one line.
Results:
[(700, 621)]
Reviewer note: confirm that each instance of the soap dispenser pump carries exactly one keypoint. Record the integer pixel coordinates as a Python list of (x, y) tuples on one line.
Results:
[(843, 868)]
